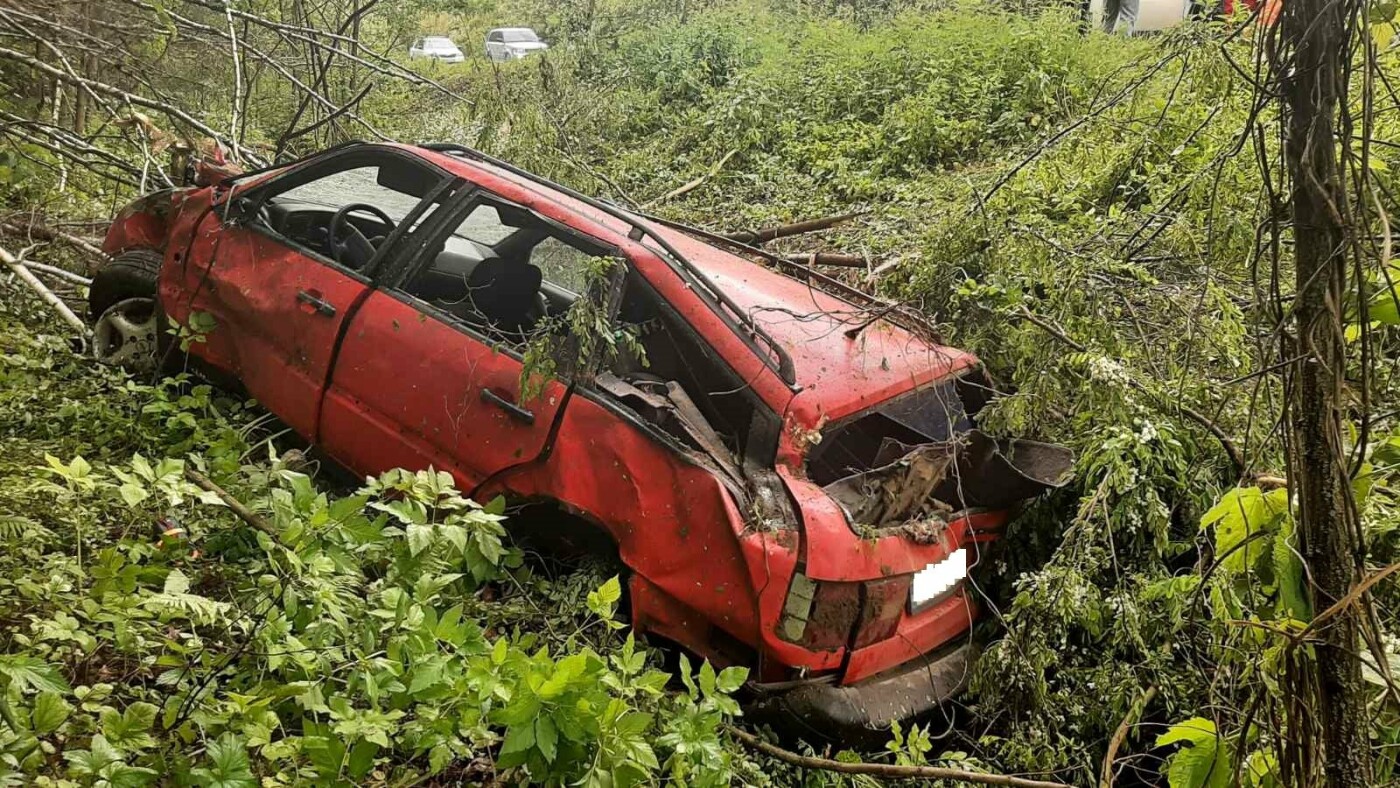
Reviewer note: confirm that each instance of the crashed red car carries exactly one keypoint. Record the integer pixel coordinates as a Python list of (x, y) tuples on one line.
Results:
[(789, 470)]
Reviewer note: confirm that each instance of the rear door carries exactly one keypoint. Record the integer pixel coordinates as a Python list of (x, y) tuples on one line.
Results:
[(278, 285), (430, 370)]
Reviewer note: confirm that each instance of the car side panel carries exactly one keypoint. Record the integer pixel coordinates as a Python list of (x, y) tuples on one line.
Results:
[(277, 345), (407, 390), (673, 521)]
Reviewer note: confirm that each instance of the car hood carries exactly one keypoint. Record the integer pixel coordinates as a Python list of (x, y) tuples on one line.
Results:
[(838, 374), (527, 46)]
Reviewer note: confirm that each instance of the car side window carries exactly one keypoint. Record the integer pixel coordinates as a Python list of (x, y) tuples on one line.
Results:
[(504, 271), (370, 198), (562, 265)]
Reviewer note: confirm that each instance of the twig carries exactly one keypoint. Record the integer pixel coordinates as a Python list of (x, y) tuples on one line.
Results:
[(66, 275), (50, 234), (102, 87), (796, 228), (885, 769), (1233, 451), (829, 258), (692, 185), (26, 276), (1134, 712), (236, 506)]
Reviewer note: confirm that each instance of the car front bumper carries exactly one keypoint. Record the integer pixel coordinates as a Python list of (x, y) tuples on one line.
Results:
[(906, 692)]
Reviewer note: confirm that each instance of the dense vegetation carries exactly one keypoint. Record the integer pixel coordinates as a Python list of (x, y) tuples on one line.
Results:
[(1084, 212)]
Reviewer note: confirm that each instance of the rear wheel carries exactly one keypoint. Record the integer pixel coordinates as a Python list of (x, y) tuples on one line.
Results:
[(126, 317)]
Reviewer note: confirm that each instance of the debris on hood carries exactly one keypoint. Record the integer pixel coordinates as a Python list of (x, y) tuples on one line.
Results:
[(925, 482)]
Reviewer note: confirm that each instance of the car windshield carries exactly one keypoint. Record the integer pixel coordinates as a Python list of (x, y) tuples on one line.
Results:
[(439, 43), (518, 36)]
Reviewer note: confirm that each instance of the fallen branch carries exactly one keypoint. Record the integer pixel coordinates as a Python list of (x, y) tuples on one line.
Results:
[(692, 185), (1233, 451), (786, 230), (890, 770), (26, 276), (1134, 712), (236, 506), (61, 273), (50, 234), (829, 258)]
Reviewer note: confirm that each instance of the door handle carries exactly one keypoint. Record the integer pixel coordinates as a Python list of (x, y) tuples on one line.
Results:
[(516, 412), (312, 299)]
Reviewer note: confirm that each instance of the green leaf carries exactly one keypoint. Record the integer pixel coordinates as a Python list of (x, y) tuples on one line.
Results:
[(28, 673), (1205, 762), (50, 711), (519, 738), (420, 537), (228, 765), (546, 737), (731, 679), (707, 678), (1241, 513), (176, 583)]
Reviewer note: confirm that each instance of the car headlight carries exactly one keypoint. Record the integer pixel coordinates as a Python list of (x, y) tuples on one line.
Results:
[(937, 579)]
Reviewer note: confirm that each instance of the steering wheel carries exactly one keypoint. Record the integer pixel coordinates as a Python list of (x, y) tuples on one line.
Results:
[(338, 225)]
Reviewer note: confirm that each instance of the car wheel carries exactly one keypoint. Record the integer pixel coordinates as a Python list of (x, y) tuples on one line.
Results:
[(126, 317)]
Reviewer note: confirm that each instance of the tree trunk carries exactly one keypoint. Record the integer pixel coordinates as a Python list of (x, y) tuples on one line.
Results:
[(1313, 35)]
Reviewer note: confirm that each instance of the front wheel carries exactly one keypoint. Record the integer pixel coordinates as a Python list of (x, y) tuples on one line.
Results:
[(126, 317)]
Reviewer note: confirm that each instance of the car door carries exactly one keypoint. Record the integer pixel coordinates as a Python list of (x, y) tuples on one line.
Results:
[(423, 379), (493, 45), (277, 289)]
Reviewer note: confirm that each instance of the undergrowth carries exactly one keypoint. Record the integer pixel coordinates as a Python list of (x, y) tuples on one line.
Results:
[(376, 636)]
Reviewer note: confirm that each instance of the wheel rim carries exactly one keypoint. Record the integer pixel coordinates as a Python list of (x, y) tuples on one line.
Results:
[(125, 335)]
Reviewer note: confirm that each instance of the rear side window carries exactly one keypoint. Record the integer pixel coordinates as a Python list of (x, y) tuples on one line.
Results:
[(879, 437)]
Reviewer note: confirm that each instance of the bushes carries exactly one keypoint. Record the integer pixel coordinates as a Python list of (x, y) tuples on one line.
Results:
[(377, 636)]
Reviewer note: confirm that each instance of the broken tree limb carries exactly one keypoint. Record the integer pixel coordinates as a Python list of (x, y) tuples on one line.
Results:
[(1134, 712), (690, 186), (50, 234), (28, 277), (1231, 450), (786, 230), (236, 506), (61, 273), (890, 770), (829, 258)]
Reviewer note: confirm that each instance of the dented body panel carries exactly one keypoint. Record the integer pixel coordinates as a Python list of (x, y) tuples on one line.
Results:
[(735, 550)]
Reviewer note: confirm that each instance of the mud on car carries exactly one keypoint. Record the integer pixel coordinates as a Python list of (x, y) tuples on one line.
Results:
[(791, 471)]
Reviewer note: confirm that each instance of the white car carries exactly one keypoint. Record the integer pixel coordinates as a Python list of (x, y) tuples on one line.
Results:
[(513, 43), (1133, 17), (439, 48)]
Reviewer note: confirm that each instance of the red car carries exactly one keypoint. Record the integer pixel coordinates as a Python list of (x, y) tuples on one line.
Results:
[(788, 469)]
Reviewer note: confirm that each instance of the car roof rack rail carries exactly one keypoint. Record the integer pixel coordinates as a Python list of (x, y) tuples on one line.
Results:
[(740, 322)]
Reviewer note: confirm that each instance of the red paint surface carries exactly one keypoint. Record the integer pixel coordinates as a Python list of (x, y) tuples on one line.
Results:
[(403, 389)]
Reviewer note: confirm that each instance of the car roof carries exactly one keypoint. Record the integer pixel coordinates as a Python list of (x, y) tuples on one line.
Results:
[(839, 374), (510, 29)]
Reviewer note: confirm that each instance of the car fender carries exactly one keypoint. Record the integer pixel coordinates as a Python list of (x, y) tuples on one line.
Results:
[(144, 222)]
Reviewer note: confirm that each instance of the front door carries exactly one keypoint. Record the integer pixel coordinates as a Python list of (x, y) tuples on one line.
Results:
[(429, 373), (294, 259)]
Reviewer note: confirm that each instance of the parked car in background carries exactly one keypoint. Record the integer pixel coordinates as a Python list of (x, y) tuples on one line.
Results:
[(439, 48), (1132, 17), (513, 43), (793, 476)]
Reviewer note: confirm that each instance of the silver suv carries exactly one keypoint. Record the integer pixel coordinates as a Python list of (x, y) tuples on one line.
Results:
[(513, 43)]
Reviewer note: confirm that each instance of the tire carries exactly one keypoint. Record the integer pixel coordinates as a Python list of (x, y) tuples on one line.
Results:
[(131, 274), (128, 285)]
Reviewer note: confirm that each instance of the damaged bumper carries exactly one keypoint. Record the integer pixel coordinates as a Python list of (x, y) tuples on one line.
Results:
[(911, 690)]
